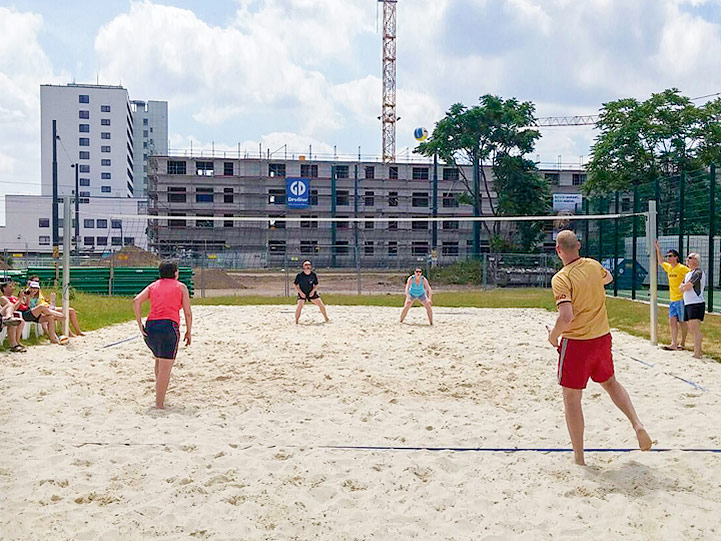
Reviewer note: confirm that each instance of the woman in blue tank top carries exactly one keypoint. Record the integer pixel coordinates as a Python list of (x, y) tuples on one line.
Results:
[(418, 289)]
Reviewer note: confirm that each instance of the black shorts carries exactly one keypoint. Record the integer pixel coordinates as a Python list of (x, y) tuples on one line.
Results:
[(314, 296), (28, 316), (162, 338), (694, 311)]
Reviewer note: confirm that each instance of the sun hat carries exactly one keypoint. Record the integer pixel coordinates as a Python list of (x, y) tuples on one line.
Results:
[(33, 283)]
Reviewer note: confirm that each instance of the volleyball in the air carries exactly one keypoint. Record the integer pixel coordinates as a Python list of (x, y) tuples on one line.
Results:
[(63, 340), (421, 134)]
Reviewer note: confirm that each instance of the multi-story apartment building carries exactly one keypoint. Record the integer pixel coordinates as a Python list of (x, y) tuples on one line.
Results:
[(150, 128), (181, 187)]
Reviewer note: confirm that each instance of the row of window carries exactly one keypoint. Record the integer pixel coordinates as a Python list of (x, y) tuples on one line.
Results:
[(44, 240), (85, 128), (88, 223), (307, 170), (85, 98), (370, 248), (176, 220), (85, 141), (85, 155)]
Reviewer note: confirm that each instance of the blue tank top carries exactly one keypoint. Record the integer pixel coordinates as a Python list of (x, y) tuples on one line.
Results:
[(416, 290)]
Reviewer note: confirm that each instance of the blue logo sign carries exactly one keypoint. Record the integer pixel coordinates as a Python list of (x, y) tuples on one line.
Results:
[(297, 193)]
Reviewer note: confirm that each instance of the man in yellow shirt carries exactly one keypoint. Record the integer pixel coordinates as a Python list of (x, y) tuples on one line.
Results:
[(676, 272), (585, 340)]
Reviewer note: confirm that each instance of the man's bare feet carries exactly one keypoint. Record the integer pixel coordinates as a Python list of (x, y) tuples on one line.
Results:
[(697, 356), (579, 460), (644, 440)]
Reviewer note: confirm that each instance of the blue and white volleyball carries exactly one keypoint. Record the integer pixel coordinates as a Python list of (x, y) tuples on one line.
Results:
[(421, 134)]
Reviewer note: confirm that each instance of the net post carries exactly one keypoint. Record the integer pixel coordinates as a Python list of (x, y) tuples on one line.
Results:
[(66, 266), (711, 235), (653, 269)]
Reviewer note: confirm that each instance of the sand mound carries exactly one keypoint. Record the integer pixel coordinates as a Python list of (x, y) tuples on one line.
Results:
[(215, 279), (131, 256)]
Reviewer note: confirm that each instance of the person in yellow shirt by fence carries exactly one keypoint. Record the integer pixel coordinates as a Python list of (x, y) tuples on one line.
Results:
[(676, 320)]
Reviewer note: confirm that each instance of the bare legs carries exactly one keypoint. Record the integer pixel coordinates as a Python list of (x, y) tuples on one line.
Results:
[(674, 324), (318, 302), (162, 379), (409, 302), (694, 325), (575, 422)]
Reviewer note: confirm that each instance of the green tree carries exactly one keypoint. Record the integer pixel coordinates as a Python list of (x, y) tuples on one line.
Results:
[(498, 133)]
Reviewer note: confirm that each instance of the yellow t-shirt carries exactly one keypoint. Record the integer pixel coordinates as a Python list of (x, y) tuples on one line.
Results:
[(675, 278), (581, 284)]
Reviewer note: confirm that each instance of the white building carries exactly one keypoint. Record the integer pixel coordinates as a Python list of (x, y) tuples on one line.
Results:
[(150, 127), (97, 134)]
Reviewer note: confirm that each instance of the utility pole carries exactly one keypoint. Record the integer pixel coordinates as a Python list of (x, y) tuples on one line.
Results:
[(77, 212), (55, 192)]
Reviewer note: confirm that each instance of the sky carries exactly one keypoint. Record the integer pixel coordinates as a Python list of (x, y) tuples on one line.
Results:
[(288, 74)]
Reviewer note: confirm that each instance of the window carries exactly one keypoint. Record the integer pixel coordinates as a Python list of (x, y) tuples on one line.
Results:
[(276, 196), (392, 199), (419, 224), (308, 170), (105, 108), (370, 199), (105, 163), (86, 195), (451, 173), (228, 195), (341, 198), (313, 200), (420, 199), (44, 222), (450, 200), (276, 169), (105, 135), (451, 224), (204, 169), (420, 173), (276, 224), (102, 223), (392, 224), (105, 176), (449, 248), (84, 142), (341, 247), (553, 178), (84, 114), (145, 122), (89, 223), (84, 182), (89, 241), (84, 154), (176, 223), (342, 225), (145, 144), (128, 241), (228, 223), (309, 224), (84, 128), (204, 195), (419, 248), (101, 241), (205, 224), (369, 225), (392, 248), (84, 168), (105, 189), (176, 167), (341, 171), (83, 98), (276, 247), (116, 224), (116, 241), (105, 122), (228, 169), (393, 172), (105, 148), (370, 171), (44, 240), (579, 179), (625, 204), (145, 133), (368, 248), (308, 246)]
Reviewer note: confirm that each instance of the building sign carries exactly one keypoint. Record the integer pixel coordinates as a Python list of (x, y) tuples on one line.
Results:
[(297, 193), (568, 202)]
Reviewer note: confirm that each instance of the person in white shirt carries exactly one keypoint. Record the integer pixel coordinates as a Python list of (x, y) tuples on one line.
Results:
[(694, 304)]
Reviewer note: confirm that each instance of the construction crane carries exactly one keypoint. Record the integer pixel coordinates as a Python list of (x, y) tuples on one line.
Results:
[(388, 112), (577, 120)]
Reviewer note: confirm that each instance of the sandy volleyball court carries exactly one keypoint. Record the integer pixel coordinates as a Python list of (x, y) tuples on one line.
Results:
[(240, 452)]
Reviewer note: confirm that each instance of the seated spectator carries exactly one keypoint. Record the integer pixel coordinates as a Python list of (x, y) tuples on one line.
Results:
[(9, 304), (35, 311), (72, 313)]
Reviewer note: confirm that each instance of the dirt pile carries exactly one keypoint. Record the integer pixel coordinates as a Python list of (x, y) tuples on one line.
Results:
[(131, 256), (215, 279)]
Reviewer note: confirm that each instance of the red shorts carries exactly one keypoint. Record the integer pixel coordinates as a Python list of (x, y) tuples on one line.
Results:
[(579, 360)]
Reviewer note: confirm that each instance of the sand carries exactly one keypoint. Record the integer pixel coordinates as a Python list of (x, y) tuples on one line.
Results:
[(240, 452)]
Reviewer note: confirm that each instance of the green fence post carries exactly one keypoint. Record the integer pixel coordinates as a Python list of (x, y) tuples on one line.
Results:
[(635, 233), (711, 234), (587, 231), (681, 192), (615, 250), (657, 190), (600, 230)]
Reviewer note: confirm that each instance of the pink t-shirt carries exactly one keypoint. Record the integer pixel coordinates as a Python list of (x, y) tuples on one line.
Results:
[(166, 299)]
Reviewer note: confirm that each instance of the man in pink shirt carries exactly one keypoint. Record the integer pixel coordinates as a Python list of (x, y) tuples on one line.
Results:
[(162, 327)]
